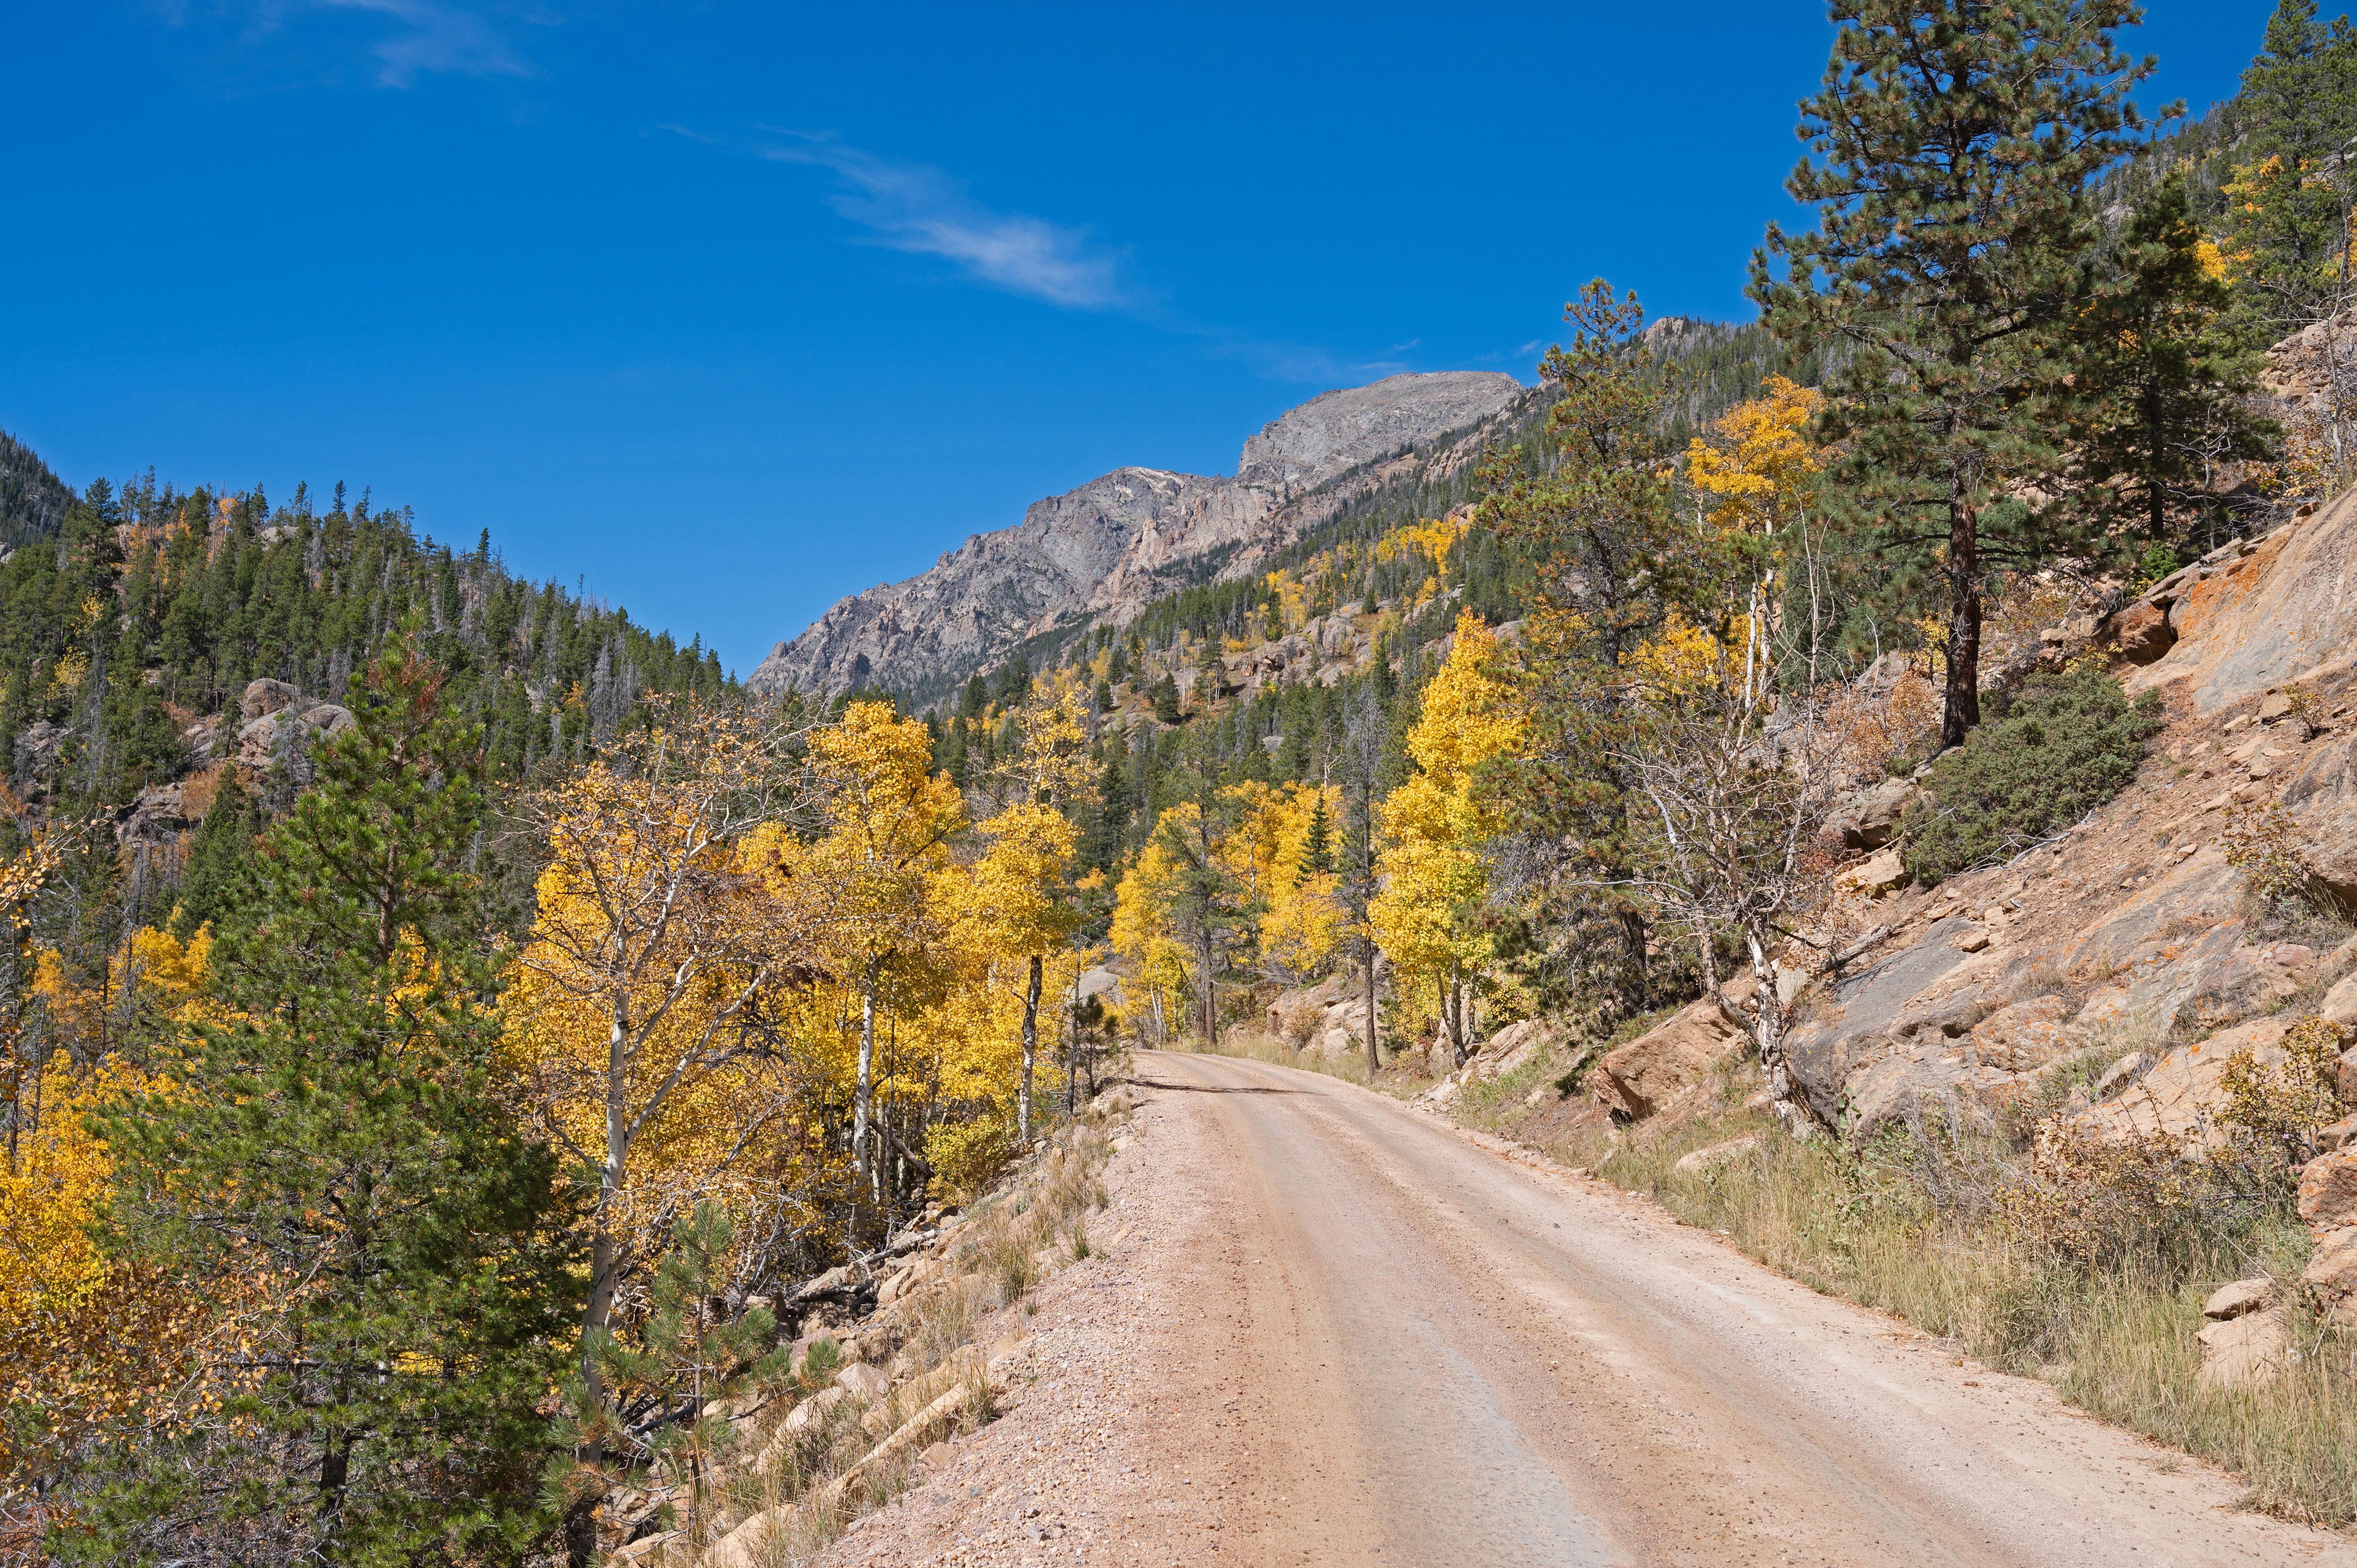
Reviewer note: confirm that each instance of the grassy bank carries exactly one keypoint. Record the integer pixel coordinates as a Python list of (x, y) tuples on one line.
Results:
[(2090, 1278)]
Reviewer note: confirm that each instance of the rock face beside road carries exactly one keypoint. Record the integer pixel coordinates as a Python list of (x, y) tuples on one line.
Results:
[(1110, 547)]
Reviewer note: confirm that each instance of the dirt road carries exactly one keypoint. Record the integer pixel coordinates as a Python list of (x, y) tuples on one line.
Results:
[(1349, 1334)]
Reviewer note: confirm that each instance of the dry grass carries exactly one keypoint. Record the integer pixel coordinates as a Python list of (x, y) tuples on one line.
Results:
[(1913, 1225), (1035, 1223)]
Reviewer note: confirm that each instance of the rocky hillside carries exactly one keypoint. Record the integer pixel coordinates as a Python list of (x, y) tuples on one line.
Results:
[(2117, 966), (1106, 550)]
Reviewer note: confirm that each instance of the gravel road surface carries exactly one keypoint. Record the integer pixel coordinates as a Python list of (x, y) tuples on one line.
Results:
[(1332, 1330)]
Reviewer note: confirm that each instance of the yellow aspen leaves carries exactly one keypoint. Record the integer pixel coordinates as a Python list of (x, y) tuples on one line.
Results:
[(1432, 828), (1757, 469)]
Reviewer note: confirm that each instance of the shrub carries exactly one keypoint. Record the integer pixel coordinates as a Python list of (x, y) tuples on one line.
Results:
[(2270, 850), (2099, 1201), (967, 1156), (2069, 742), (2273, 1110)]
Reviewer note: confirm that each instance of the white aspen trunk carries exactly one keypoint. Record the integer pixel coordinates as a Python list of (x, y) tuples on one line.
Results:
[(1030, 1054), (864, 1095)]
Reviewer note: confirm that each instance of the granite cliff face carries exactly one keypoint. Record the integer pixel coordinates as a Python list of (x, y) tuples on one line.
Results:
[(1109, 548)]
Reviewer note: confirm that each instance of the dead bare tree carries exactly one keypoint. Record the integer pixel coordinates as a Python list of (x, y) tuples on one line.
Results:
[(1734, 756)]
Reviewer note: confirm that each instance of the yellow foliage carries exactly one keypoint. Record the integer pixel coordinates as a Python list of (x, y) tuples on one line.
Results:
[(1432, 538), (1434, 825), (1683, 660), (1293, 594), (1267, 854), (68, 678), (1143, 931), (52, 1189), (1759, 468), (83, 1341), (663, 942)]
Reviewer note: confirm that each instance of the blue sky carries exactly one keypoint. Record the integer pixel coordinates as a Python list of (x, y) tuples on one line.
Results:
[(727, 311)]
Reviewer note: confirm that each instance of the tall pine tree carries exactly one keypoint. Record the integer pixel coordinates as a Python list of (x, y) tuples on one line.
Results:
[(337, 1158), (2154, 404), (1953, 148)]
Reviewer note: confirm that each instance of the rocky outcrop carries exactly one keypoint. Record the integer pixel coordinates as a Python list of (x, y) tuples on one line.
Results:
[(1869, 819), (2180, 1096), (2252, 615), (1110, 547), (2328, 1201), (2322, 798), (1639, 1079), (277, 727)]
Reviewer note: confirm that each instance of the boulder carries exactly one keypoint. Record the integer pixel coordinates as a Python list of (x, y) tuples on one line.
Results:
[(813, 1410), (966, 1369), (1702, 1162), (1870, 818), (865, 1382), (772, 1535), (2179, 1097), (906, 1282), (1511, 1047), (2328, 1191), (645, 1549), (1297, 1016), (2144, 632), (2237, 1298), (279, 738), (2244, 1350), (2331, 1272), (265, 697), (1104, 983), (1879, 873), (1636, 1079)]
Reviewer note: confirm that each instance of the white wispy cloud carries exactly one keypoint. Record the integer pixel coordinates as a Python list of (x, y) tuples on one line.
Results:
[(411, 37), (919, 209)]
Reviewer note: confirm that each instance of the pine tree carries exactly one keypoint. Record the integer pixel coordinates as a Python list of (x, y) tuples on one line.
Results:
[(1954, 142), (2155, 401), (653, 1405), (1319, 858), (2288, 203), (1165, 701), (1601, 528), (220, 852), (339, 1149)]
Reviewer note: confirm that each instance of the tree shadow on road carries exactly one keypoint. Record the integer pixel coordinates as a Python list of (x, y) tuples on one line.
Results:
[(1209, 1089)]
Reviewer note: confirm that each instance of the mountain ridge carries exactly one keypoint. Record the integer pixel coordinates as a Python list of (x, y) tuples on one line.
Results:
[(1107, 548)]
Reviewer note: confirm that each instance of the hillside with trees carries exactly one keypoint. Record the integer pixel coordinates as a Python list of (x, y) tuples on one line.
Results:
[(471, 1063)]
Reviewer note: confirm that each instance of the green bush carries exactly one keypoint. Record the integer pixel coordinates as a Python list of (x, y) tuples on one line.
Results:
[(2067, 744)]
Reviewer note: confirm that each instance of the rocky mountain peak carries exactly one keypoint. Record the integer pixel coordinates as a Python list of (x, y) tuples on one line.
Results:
[(1337, 431), (1113, 545)]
